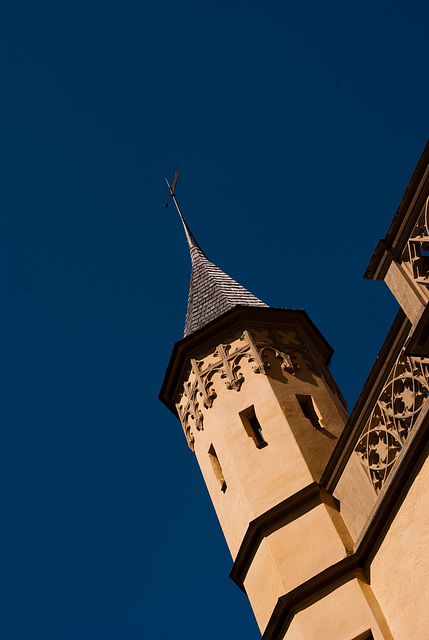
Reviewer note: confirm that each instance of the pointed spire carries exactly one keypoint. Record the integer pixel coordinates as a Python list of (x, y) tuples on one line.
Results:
[(211, 291), (189, 237)]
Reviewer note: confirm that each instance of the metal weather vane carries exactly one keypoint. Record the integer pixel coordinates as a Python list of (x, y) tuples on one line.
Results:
[(172, 187)]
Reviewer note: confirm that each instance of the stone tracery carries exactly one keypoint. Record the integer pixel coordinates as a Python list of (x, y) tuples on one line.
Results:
[(198, 390), (416, 253), (393, 417)]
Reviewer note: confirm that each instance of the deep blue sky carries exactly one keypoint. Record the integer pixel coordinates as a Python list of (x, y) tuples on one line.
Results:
[(295, 128)]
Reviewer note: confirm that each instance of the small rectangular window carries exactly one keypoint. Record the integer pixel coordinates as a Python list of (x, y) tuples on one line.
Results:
[(309, 409), (253, 427), (217, 469)]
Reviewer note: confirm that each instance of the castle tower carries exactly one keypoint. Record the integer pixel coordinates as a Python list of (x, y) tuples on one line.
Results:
[(251, 387)]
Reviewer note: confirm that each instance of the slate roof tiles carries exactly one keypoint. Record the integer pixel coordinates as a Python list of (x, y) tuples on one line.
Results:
[(212, 292)]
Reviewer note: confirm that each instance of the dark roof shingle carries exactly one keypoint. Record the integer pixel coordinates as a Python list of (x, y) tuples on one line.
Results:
[(212, 292)]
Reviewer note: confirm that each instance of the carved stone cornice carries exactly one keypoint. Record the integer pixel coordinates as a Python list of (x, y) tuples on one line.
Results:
[(197, 392), (190, 402)]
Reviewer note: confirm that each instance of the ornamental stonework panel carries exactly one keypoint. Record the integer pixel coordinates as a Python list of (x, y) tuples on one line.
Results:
[(416, 254), (393, 417), (223, 365)]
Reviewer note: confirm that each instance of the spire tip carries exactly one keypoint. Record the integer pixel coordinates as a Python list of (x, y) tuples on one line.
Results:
[(189, 237)]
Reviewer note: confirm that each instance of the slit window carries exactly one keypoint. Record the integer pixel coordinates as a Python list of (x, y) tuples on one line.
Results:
[(217, 469), (309, 409), (253, 427)]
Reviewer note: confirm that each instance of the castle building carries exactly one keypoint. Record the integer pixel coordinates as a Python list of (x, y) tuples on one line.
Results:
[(326, 515)]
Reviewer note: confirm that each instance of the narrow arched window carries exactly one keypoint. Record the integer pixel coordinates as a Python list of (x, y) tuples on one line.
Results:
[(253, 427), (217, 469), (309, 409)]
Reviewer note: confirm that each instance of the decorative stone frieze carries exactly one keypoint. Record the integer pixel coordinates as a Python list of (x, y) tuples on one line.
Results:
[(198, 387), (416, 254), (393, 417)]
